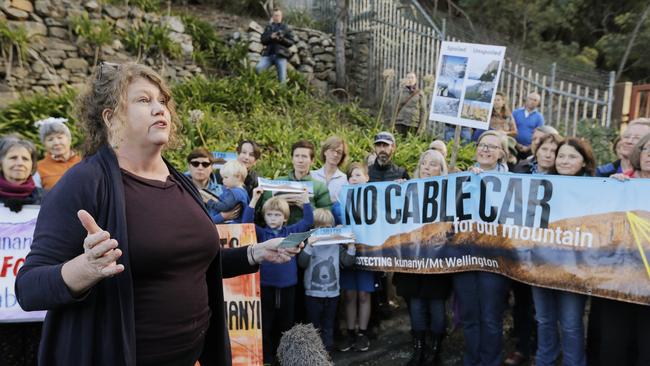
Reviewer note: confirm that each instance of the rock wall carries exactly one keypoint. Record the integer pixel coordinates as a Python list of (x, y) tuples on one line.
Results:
[(56, 57)]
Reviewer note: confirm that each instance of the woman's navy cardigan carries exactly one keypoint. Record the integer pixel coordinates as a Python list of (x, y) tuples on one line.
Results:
[(99, 328)]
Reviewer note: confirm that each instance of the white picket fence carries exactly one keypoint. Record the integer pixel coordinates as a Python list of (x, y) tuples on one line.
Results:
[(402, 44)]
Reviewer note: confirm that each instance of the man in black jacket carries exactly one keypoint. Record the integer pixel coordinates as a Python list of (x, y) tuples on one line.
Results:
[(383, 170), (277, 38)]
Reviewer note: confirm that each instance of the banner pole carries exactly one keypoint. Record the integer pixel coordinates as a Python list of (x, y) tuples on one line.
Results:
[(454, 152)]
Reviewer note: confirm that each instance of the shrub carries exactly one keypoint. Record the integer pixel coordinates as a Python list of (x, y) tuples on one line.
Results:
[(12, 38), (95, 33), (151, 40)]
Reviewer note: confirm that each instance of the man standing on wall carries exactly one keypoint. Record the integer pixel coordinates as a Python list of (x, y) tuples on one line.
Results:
[(277, 38)]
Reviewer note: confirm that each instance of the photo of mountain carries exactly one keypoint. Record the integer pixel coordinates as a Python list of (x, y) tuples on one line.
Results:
[(453, 66), (483, 69), (477, 111), (449, 87), (480, 91), (446, 106)]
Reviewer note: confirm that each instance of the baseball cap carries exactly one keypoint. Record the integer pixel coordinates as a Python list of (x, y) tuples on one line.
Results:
[(385, 136)]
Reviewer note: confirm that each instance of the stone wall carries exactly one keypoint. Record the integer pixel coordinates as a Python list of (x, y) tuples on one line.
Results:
[(56, 57)]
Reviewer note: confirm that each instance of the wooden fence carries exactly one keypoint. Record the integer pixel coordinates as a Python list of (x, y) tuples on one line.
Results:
[(401, 42)]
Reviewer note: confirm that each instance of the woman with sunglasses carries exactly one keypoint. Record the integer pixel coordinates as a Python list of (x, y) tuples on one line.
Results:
[(483, 295), (125, 257)]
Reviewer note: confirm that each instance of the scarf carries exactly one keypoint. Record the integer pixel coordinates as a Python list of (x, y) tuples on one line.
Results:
[(12, 190)]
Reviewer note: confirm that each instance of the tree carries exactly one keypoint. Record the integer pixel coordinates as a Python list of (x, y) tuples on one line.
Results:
[(341, 23)]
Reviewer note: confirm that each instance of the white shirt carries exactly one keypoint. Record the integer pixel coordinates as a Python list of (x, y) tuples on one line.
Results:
[(338, 180)]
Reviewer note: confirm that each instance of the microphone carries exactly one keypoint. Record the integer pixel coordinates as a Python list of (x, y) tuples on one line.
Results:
[(302, 346)]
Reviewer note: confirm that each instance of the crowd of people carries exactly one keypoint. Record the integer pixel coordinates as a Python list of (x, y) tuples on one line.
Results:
[(128, 193)]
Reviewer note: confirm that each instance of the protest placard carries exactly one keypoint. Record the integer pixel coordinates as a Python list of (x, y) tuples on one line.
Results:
[(243, 307), (467, 76), (220, 158), (16, 235), (333, 235), (545, 230), (285, 186)]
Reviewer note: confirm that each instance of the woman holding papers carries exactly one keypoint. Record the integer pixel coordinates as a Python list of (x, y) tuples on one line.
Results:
[(125, 257), (483, 295), (426, 293)]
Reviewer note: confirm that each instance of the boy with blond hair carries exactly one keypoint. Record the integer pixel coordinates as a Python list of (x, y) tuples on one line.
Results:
[(278, 281), (233, 174)]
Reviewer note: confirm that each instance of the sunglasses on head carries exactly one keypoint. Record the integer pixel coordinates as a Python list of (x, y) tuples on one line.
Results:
[(104, 67), (205, 164)]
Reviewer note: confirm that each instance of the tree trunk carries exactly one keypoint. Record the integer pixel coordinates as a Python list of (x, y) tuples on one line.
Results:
[(630, 44), (341, 30)]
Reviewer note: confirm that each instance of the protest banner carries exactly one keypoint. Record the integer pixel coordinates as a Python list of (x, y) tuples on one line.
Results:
[(16, 235), (242, 302), (220, 158), (580, 234)]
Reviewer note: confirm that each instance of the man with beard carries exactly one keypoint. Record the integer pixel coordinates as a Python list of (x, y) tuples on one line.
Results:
[(383, 170)]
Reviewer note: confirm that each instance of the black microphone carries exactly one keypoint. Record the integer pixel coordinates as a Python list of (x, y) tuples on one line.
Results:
[(302, 346)]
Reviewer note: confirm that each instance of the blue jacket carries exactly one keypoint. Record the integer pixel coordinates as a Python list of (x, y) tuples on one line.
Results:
[(227, 201), (98, 329), (286, 274), (526, 125)]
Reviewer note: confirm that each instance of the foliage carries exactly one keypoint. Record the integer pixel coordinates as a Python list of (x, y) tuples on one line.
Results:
[(600, 139), (151, 40), (581, 34), (144, 5), (95, 33), (210, 49), (245, 106), (20, 116), (302, 19), (12, 38)]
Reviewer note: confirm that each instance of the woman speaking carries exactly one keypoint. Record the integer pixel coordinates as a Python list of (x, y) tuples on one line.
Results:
[(125, 257)]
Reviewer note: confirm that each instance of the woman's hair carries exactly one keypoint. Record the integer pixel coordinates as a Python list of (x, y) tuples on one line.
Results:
[(436, 156), (277, 203), (323, 218), (107, 89), (235, 168), (504, 110), (503, 141), (552, 138), (547, 129), (333, 142), (584, 149), (635, 156), (199, 152), (357, 165), (10, 141), (257, 152), (50, 126)]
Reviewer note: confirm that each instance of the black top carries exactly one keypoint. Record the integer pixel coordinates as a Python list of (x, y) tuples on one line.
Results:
[(170, 254), (98, 329), (385, 173)]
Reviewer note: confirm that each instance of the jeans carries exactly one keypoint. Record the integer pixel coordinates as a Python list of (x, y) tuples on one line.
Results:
[(522, 316), (568, 308), (465, 133), (280, 65), (483, 298), (427, 314), (277, 317), (321, 312)]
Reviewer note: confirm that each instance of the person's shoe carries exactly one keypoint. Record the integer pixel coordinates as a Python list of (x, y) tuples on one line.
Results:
[(418, 354), (348, 341), (361, 343), (515, 359), (432, 353)]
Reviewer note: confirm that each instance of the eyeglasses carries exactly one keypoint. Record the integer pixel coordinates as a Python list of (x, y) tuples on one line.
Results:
[(196, 164), (337, 152), (484, 146), (631, 137), (645, 150)]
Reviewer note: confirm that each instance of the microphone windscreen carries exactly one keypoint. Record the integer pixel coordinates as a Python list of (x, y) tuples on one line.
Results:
[(302, 346)]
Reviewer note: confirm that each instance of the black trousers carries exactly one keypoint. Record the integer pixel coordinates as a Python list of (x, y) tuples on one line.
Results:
[(278, 306), (619, 333), (19, 343)]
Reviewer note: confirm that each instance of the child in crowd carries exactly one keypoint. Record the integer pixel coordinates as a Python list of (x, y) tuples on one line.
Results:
[(357, 286), (321, 265), (233, 174), (278, 281)]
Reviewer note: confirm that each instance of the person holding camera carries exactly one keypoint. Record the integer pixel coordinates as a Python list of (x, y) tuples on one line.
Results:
[(277, 38)]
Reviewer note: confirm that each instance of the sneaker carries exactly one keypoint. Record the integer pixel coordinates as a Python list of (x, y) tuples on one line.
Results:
[(361, 343), (348, 341)]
